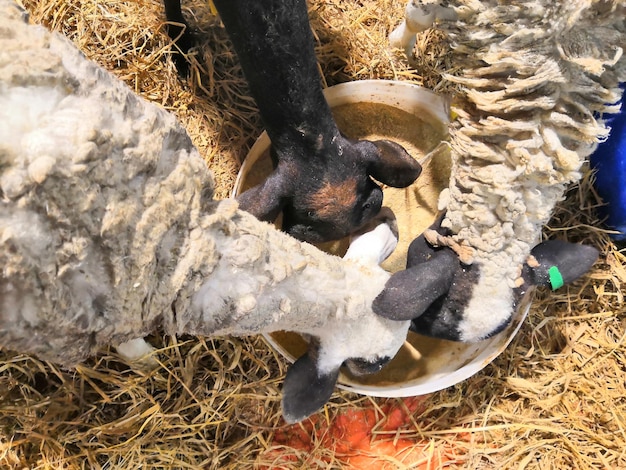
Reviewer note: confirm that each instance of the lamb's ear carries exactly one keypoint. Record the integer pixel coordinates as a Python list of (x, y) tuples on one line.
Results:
[(265, 200), (559, 263), (392, 165), (305, 389), (420, 251), (409, 293)]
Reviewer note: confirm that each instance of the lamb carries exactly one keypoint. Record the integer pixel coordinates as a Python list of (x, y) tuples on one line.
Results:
[(322, 181), (108, 231), (433, 290), (536, 78)]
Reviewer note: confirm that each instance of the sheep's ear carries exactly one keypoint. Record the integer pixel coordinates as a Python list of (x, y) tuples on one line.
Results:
[(409, 293), (557, 263), (392, 165), (266, 200), (305, 389), (420, 250)]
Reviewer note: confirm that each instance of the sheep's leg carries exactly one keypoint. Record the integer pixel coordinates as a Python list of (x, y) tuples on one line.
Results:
[(178, 30), (137, 351), (419, 15), (275, 46)]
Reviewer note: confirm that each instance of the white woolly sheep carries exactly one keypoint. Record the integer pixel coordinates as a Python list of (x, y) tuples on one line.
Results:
[(108, 232), (535, 79)]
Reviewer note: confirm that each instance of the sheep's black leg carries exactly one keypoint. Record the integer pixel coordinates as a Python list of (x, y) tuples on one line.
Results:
[(275, 46), (178, 30)]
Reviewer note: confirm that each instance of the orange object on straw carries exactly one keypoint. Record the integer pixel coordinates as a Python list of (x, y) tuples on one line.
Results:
[(361, 439)]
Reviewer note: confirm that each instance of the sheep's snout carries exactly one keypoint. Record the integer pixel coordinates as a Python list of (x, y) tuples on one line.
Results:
[(364, 344), (359, 366), (339, 195), (333, 211)]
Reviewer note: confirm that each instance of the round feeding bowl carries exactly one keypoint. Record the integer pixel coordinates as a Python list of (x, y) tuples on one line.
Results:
[(417, 119)]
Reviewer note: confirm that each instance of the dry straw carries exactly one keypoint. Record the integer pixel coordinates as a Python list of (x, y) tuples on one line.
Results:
[(555, 399)]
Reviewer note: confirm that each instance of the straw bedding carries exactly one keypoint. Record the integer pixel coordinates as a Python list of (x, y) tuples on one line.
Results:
[(555, 399)]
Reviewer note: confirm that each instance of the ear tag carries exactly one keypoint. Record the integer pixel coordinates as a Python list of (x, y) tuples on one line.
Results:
[(556, 280)]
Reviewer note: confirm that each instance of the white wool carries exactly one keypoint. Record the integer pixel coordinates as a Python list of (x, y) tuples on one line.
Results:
[(26, 230), (488, 308), (108, 230), (349, 331), (17, 306), (35, 103), (531, 80), (526, 114)]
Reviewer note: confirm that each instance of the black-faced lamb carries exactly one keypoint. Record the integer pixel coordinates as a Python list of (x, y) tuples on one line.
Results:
[(322, 181), (108, 231), (447, 298), (534, 81)]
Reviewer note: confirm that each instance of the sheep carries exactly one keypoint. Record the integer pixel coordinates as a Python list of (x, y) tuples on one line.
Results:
[(322, 181), (535, 80), (108, 231), (433, 290)]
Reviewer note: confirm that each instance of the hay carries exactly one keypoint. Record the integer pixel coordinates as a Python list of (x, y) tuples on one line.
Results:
[(554, 399)]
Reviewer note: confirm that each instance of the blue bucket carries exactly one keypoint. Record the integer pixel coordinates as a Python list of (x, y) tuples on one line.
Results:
[(609, 162)]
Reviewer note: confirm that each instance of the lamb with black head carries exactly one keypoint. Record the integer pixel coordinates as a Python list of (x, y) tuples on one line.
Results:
[(323, 182), (448, 298)]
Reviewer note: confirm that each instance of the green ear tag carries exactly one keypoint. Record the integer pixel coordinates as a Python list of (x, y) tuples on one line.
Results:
[(556, 280)]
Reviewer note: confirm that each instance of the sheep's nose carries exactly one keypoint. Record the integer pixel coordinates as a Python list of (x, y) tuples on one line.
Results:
[(360, 366)]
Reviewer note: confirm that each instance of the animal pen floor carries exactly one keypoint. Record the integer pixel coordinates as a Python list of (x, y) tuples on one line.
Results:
[(556, 398)]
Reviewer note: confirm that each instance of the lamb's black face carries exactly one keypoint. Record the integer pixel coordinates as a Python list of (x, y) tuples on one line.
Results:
[(333, 211), (325, 199), (437, 291)]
